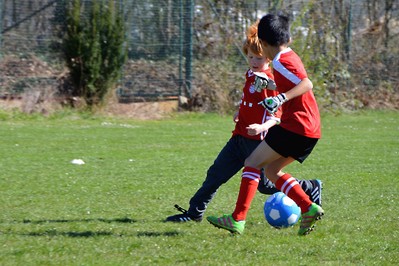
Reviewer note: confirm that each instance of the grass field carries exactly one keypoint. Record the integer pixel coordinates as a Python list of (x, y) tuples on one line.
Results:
[(110, 211)]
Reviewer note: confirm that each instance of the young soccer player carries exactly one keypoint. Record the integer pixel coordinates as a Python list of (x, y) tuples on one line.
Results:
[(252, 123), (293, 139)]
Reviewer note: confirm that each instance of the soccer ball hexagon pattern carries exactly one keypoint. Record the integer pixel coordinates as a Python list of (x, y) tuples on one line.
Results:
[(281, 211)]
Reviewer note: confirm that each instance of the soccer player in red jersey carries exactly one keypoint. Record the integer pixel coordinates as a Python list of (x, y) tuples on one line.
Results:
[(293, 139), (252, 123)]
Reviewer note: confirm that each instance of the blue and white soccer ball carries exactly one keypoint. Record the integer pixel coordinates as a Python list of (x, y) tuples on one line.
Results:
[(281, 211)]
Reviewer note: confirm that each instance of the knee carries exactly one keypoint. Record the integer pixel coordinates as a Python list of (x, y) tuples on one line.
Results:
[(250, 163)]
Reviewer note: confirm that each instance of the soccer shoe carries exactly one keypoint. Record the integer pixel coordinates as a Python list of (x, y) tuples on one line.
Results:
[(266, 186), (309, 218), (315, 194), (227, 222), (183, 217)]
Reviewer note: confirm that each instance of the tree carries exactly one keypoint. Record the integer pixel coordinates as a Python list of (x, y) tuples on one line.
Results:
[(94, 48)]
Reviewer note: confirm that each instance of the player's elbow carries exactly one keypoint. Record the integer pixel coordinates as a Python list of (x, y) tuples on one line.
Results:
[(309, 84)]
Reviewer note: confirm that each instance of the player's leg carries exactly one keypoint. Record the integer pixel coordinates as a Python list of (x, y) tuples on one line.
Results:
[(227, 164), (250, 178), (292, 147), (313, 188), (311, 212), (284, 143), (265, 185), (229, 161)]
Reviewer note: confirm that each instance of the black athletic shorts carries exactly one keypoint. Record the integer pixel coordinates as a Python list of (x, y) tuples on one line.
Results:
[(290, 144)]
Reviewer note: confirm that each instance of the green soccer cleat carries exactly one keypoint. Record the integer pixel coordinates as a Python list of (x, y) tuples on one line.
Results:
[(309, 218), (227, 222)]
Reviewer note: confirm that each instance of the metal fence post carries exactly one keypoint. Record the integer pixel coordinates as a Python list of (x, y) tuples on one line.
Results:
[(349, 34), (1, 28), (181, 41), (189, 47)]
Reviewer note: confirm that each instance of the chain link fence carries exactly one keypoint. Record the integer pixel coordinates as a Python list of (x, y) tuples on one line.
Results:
[(164, 38), (27, 63), (159, 38)]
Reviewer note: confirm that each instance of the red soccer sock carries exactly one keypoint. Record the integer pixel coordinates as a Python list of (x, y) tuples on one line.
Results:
[(290, 187), (249, 186)]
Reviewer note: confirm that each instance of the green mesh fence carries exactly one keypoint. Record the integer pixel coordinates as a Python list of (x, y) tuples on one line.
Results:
[(171, 42)]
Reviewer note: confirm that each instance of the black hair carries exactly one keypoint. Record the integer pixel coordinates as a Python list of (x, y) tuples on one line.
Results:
[(274, 29)]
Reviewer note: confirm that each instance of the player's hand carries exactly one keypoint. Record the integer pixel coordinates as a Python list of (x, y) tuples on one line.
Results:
[(235, 117), (254, 129), (272, 104), (262, 81)]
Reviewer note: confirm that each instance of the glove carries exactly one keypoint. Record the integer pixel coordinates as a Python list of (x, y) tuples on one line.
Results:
[(262, 81), (271, 104)]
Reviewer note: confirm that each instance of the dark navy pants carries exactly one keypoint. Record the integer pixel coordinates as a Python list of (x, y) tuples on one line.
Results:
[(229, 161)]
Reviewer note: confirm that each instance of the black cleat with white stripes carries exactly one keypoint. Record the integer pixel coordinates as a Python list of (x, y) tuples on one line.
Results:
[(183, 217), (315, 194)]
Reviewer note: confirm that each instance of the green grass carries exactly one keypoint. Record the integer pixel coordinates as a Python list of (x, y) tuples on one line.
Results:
[(110, 211)]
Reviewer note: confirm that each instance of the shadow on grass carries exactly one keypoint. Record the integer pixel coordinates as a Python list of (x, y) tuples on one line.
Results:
[(156, 234), (50, 233), (117, 220), (87, 234)]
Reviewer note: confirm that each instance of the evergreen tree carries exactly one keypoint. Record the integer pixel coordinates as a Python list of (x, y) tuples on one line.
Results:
[(94, 48)]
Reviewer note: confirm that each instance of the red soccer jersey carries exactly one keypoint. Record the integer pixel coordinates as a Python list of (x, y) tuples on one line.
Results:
[(250, 112), (300, 114)]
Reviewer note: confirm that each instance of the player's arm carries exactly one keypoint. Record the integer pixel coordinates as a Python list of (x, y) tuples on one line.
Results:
[(256, 129), (302, 87), (271, 119), (272, 104)]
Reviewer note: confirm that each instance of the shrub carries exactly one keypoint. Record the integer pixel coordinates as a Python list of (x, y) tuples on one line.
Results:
[(94, 48)]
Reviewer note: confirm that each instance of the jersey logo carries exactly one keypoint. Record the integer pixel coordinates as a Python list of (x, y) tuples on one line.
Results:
[(252, 88)]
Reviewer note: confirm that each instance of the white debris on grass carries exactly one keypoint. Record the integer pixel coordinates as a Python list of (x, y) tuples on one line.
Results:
[(77, 161)]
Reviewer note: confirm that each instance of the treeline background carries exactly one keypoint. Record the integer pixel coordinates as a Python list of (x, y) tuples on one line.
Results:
[(193, 49)]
